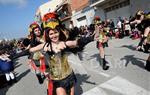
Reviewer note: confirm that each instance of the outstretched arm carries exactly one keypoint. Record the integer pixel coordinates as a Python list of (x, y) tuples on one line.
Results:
[(27, 52), (81, 42), (37, 48), (71, 44)]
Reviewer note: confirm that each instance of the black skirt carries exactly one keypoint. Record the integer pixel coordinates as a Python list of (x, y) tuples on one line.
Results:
[(66, 83)]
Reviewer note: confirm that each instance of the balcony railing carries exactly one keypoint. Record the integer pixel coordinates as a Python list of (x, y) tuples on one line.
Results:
[(94, 1)]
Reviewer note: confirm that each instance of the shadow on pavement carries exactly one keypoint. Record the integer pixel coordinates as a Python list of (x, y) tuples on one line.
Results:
[(133, 60), (80, 80), (23, 74), (131, 47), (97, 56), (16, 63)]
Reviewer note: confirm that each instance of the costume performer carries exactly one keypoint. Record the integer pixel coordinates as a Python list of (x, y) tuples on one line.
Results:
[(36, 59), (60, 75), (101, 39)]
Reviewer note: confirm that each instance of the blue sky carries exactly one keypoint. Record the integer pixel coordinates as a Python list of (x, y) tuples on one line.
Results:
[(15, 17)]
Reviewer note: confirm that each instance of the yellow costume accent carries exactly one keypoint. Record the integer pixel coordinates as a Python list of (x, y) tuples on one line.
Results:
[(59, 67), (37, 55), (148, 38), (51, 24)]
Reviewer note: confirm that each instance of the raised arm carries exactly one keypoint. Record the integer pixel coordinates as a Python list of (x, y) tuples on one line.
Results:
[(71, 44), (36, 48), (81, 42), (27, 51), (135, 22), (146, 31)]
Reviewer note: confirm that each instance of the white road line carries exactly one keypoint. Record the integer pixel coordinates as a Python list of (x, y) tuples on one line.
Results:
[(104, 74), (95, 91), (124, 87), (119, 86), (100, 73)]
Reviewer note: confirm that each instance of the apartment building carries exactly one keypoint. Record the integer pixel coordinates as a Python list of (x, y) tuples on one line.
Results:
[(113, 9), (82, 12), (50, 6)]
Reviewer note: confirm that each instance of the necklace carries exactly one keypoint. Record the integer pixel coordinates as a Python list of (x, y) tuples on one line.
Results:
[(56, 47)]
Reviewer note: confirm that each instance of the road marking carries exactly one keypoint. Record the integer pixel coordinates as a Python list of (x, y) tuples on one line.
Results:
[(94, 66), (119, 86), (98, 72), (104, 74), (124, 87), (95, 91)]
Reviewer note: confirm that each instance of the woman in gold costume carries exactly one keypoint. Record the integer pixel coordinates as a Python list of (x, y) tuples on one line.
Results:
[(60, 75)]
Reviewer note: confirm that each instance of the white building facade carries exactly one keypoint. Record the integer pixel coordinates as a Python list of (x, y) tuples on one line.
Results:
[(50, 6), (105, 9), (109, 9), (83, 17)]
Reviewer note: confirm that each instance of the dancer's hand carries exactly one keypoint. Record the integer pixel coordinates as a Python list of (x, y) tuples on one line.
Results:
[(61, 45)]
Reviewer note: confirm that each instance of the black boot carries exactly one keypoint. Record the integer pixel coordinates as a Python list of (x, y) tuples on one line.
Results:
[(10, 82), (40, 79), (146, 48), (14, 80), (104, 64), (147, 67), (47, 91)]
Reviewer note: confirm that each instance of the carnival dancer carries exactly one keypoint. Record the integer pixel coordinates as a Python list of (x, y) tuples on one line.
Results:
[(101, 39), (144, 28), (145, 25), (138, 19), (60, 74), (36, 59)]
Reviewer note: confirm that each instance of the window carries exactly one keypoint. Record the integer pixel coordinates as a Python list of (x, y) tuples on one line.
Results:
[(81, 18), (117, 6)]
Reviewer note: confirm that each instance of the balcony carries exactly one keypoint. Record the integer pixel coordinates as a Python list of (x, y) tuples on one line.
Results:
[(95, 2), (64, 11)]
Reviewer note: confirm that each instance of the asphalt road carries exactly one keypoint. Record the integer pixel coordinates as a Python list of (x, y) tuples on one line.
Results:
[(126, 75)]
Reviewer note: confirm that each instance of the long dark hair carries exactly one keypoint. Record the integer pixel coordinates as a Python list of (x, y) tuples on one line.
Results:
[(62, 36), (34, 41)]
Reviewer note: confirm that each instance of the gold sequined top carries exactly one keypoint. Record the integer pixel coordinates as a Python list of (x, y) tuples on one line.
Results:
[(37, 55), (58, 66), (148, 38)]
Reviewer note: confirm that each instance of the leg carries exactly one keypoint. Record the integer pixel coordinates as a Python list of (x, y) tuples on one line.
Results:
[(103, 61), (72, 91), (146, 48), (38, 72), (60, 91), (7, 76), (101, 52), (12, 76), (9, 81), (147, 67)]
